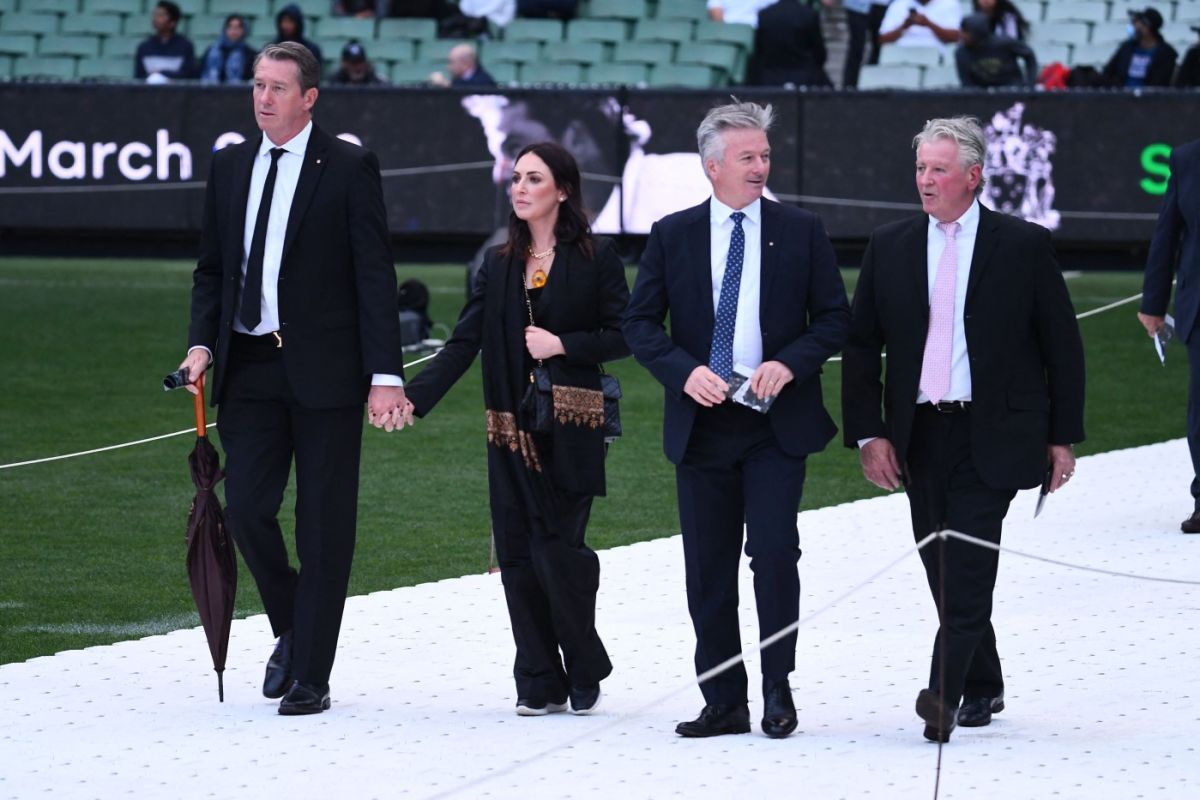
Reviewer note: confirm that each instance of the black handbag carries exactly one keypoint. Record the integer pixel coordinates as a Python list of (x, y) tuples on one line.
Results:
[(543, 402)]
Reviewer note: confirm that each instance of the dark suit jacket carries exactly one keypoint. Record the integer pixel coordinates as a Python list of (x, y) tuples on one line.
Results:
[(789, 46), (480, 77), (1025, 354), (1176, 244), (803, 314), (337, 282)]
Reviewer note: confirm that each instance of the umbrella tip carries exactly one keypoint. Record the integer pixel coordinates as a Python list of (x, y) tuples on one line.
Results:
[(221, 686)]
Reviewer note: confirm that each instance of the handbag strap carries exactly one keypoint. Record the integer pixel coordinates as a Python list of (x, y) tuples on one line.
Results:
[(529, 308)]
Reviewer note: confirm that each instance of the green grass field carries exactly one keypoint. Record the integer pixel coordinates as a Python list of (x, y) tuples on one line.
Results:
[(91, 549)]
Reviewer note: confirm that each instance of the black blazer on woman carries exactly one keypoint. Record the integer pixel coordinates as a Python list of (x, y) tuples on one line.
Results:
[(582, 304)]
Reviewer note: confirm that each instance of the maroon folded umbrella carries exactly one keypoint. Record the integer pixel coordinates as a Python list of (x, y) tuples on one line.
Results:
[(211, 562)]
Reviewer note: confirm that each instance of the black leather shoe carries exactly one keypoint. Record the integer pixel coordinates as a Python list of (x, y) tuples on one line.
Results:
[(978, 712), (585, 699), (716, 720), (1191, 524), (779, 712), (279, 669), (939, 719), (305, 698)]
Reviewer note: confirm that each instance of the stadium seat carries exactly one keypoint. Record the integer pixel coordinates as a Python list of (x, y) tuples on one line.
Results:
[(51, 6), (18, 44), (1052, 52), (1078, 10), (1094, 55), (124, 46), (1188, 13), (410, 73), (520, 52), (882, 76), (346, 28), (1118, 10), (6, 67), (416, 29), (629, 10), (1064, 32), (91, 24), (622, 74), (916, 56), (203, 29), (943, 77), (121, 7), (727, 33), (667, 30), (544, 72), (575, 52), (436, 51), (689, 76), (695, 10), (1112, 33), (721, 57), (644, 53), (82, 46), (58, 67), (392, 50), (137, 24), (1179, 35), (106, 68), (596, 30), (247, 8), (29, 22), (1031, 10), (532, 30), (7, 6), (504, 72)]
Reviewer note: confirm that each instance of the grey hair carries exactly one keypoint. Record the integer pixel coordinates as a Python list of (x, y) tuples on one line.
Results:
[(306, 62), (966, 132), (734, 116)]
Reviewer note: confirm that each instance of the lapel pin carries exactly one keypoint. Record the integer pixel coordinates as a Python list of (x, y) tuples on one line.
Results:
[(318, 161), (770, 244)]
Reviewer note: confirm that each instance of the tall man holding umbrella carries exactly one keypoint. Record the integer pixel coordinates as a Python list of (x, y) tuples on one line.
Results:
[(983, 395), (293, 305)]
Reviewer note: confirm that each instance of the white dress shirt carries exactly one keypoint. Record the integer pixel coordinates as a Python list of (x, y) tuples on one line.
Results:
[(943, 13), (960, 367), (740, 12), (747, 331)]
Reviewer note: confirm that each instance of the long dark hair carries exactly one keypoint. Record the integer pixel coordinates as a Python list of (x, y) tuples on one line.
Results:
[(572, 227), (1002, 8)]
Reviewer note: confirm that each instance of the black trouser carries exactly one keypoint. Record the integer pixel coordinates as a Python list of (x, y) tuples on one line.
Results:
[(262, 428), (734, 474), (861, 26), (550, 583), (1193, 413), (946, 492)]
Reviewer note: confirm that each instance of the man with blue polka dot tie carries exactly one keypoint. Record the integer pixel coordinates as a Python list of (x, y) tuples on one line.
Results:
[(747, 282)]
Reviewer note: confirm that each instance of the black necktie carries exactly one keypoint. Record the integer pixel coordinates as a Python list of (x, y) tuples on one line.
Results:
[(252, 289)]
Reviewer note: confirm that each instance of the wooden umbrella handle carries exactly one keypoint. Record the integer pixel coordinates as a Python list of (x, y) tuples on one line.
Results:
[(201, 428)]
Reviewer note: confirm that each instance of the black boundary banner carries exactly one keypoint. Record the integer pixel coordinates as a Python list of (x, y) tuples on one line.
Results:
[(130, 158)]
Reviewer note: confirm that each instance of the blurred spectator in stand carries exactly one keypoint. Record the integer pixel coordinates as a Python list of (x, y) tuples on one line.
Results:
[(739, 12), (356, 70), (863, 18), (554, 9), (464, 69), (454, 21), (1145, 59), (289, 27), (498, 12), (365, 9), (985, 60), (922, 23), (1004, 18), (789, 47), (230, 59), (1189, 69), (166, 55)]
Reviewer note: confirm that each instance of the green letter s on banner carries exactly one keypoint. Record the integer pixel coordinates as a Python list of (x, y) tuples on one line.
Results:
[(1155, 163)]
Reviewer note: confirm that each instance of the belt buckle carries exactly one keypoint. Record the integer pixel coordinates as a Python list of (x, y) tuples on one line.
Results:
[(949, 406), (278, 340)]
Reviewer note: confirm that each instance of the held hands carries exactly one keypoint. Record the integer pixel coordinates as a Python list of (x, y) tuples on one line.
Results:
[(1062, 465), (1151, 323), (388, 408), (196, 363), (541, 343), (770, 378), (705, 387), (879, 464)]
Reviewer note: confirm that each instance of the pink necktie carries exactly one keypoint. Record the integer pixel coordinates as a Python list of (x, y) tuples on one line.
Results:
[(935, 368)]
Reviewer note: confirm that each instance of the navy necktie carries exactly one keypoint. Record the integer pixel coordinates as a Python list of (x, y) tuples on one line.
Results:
[(720, 360), (251, 313)]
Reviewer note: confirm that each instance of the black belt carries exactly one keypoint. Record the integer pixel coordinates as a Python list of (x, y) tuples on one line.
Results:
[(948, 406), (269, 345)]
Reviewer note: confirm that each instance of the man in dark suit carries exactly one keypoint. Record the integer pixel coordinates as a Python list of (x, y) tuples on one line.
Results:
[(462, 64), (789, 46), (1176, 247), (746, 282), (293, 303), (984, 390)]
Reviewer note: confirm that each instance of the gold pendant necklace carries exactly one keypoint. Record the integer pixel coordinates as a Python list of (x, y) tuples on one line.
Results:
[(539, 275)]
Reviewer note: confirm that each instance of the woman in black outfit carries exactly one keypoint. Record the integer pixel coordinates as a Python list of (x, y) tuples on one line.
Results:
[(540, 486)]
